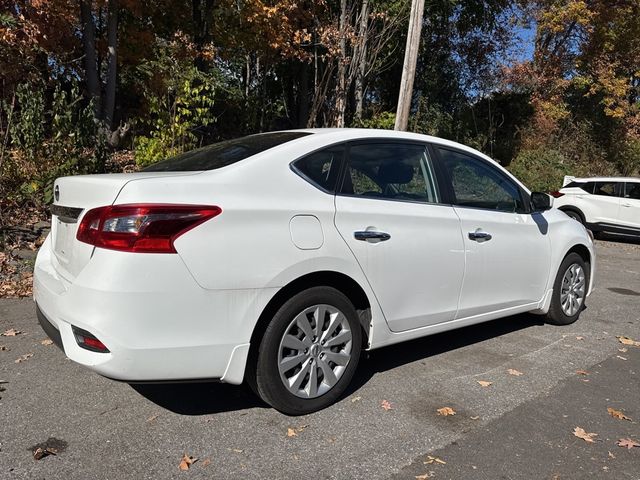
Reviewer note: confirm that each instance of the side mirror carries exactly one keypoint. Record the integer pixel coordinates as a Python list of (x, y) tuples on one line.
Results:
[(541, 202)]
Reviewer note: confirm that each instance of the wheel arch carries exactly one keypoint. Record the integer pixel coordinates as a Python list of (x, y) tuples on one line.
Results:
[(571, 208), (326, 278)]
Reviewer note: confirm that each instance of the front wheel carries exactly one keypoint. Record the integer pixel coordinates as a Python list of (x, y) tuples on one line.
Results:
[(569, 291), (309, 352)]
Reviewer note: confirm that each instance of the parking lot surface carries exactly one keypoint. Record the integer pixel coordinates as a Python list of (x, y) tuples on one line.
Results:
[(544, 382)]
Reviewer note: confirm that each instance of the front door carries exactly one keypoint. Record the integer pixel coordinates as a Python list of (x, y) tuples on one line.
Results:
[(507, 248), (630, 205)]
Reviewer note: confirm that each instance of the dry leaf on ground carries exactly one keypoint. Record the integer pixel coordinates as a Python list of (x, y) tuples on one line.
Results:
[(23, 358), (628, 341), (446, 411), (424, 476), (206, 462), (356, 399), (627, 443), (582, 372), (431, 460), (47, 341), (40, 452), (617, 414), (581, 433), (152, 418), (386, 404), (579, 338), (291, 432), (515, 372), (3, 348), (484, 383), (12, 332), (187, 461)]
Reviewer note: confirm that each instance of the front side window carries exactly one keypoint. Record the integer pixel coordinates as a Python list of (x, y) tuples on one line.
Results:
[(477, 184), (321, 168), (632, 190), (393, 171)]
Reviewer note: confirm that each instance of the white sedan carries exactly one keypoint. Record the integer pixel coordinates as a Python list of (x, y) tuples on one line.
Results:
[(278, 258)]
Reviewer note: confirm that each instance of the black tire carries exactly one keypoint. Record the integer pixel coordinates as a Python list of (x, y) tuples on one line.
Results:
[(575, 215), (556, 315), (264, 377)]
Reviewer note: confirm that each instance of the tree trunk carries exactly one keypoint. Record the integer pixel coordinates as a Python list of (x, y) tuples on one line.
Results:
[(201, 14), (409, 67), (341, 88), (112, 63), (362, 64), (89, 47)]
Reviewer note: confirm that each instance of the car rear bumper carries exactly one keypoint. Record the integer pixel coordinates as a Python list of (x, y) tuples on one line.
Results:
[(156, 321)]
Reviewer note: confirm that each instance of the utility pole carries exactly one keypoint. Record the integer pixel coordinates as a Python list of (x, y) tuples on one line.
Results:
[(409, 66)]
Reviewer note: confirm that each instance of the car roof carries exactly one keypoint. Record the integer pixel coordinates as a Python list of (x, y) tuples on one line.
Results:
[(605, 179)]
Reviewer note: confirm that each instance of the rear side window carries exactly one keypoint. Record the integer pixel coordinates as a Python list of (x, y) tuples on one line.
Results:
[(321, 168), (393, 171), (224, 153), (606, 189)]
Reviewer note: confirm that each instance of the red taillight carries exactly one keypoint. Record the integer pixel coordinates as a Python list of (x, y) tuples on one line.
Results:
[(145, 228), (88, 341), (556, 194)]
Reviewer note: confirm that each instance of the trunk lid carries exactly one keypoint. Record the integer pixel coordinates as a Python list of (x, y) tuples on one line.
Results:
[(73, 197)]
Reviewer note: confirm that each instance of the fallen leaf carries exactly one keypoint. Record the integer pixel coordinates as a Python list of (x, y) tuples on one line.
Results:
[(579, 338), (356, 399), (484, 383), (582, 372), (617, 414), (623, 349), (628, 341), (24, 357), (424, 476), (40, 452), (512, 371), (291, 432), (611, 455), (12, 332), (3, 348), (152, 418), (431, 460), (386, 404), (187, 461), (581, 433), (628, 443), (206, 462), (47, 341), (446, 411)]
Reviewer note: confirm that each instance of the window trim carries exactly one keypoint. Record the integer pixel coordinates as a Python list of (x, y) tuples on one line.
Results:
[(297, 171), (387, 141), (524, 196)]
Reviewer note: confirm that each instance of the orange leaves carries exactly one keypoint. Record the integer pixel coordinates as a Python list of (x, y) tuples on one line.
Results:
[(484, 383), (386, 405), (186, 462), (446, 411), (628, 341), (627, 443), (581, 433), (617, 414), (293, 432)]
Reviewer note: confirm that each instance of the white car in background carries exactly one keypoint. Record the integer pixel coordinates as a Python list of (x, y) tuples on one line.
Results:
[(609, 204), (277, 258)]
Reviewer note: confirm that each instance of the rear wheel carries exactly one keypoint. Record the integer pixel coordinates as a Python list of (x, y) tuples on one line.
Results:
[(569, 291), (309, 352), (575, 215)]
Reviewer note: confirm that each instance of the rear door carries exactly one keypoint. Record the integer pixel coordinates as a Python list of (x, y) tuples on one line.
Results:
[(507, 248), (409, 244), (630, 205)]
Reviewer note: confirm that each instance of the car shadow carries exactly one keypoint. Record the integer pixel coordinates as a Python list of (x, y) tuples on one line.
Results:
[(618, 238), (204, 398)]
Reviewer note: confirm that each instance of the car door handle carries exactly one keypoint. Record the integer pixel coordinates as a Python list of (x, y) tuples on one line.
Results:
[(480, 236), (371, 236)]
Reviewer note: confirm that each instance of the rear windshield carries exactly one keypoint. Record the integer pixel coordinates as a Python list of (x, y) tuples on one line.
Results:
[(224, 153)]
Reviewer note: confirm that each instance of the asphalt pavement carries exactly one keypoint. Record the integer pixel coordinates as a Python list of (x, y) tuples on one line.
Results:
[(544, 382)]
